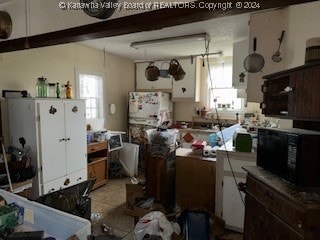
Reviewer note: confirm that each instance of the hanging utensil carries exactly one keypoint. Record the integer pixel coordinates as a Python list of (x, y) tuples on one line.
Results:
[(254, 62), (277, 57)]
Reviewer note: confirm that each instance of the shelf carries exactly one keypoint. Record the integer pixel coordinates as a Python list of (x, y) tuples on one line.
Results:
[(96, 160)]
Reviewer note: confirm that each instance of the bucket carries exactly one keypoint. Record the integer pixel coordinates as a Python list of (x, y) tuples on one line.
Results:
[(174, 67), (176, 70), (164, 73), (152, 72), (5, 25)]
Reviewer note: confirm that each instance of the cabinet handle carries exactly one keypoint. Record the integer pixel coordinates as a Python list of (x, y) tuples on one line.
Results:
[(92, 174), (62, 139), (79, 179), (51, 190), (68, 139)]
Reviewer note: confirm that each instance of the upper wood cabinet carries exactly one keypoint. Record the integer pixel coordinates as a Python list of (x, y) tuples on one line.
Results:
[(267, 28), (142, 83), (293, 93)]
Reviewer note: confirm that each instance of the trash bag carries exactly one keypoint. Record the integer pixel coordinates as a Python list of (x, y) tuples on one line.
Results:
[(153, 224)]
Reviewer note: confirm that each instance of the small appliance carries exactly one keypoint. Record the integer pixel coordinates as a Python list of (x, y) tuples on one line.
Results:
[(293, 154)]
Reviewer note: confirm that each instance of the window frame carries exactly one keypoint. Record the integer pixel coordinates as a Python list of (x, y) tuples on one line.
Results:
[(211, 104), (79, 72)]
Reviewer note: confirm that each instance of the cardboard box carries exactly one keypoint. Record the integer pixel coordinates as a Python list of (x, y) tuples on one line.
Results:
[(134, 193)]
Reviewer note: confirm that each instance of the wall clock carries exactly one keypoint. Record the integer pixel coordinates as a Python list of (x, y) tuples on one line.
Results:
[(101, 9)]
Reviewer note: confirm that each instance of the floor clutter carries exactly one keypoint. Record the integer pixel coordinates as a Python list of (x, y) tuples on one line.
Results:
[(109, 204)]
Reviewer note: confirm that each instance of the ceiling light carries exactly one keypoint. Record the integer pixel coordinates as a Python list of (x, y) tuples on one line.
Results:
[(171, 40)]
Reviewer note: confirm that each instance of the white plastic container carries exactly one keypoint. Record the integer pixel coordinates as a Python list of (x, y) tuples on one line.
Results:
[(54, 223), (129, 158)]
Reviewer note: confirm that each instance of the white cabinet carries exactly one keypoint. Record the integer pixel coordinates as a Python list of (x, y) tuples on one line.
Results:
[(187, 88), (162, 84), (229, 205), (267, 28), (55, 132), (240, 52)]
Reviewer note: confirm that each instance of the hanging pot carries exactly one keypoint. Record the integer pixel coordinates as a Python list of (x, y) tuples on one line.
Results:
[(5, 25), (164, 73), (176, 70), (254, 62), (174, 66), (152, 72), (101, 9), (179, 75)]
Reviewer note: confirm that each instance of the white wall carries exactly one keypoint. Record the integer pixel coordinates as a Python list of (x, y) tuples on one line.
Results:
[(302, 23), (20, 70)]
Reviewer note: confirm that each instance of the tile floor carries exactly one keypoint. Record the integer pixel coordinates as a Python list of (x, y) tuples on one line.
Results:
[(109, 203)]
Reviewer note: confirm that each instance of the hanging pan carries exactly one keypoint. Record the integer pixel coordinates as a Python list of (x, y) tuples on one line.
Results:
[(254, 62)]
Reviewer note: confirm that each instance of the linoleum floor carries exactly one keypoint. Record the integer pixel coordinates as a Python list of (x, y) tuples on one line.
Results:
[(108, 204)]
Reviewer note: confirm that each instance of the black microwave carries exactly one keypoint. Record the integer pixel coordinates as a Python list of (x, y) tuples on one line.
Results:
[(292, 154)]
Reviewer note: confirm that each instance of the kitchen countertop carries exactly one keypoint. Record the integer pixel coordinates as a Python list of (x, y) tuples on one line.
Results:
[(231, 149), (195, 130)]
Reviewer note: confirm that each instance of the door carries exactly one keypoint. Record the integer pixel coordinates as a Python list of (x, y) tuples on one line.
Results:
[(75, 136), (52, 140), (306, 96)]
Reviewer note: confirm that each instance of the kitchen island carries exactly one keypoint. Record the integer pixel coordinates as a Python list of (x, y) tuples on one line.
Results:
[(195, 180)]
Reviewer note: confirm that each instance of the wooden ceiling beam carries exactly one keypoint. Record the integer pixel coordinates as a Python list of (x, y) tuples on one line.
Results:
[(148, 21)]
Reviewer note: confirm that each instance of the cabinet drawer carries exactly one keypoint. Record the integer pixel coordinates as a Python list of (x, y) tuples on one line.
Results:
[(64, 182), (77, 177), (53, 186), (261, 224), (278, 204), (95, 147)]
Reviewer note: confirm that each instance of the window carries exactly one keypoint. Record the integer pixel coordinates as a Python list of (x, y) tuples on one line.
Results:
[(221, 94), (90, 88)]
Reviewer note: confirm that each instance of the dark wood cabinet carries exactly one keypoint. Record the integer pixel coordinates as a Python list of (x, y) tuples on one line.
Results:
[(160, 178), (195, 180), (293, 93), (277, 209), (98, 163)]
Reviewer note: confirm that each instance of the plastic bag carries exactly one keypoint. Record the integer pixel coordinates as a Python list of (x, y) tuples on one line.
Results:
[(154, 223)]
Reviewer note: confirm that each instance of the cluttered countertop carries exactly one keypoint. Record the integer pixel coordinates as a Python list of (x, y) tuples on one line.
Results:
[(188, 153)]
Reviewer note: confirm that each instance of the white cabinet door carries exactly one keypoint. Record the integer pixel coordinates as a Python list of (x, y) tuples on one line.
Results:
[(185, 88), (240, 52), (229, 204), (267, 28), (75, 135), (52, 140), (142, 84)]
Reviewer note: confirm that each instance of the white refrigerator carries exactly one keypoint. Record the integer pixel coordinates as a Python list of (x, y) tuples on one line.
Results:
[(147, 110)]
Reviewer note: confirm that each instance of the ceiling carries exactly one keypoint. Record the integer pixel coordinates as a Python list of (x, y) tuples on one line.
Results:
[(223, 33)]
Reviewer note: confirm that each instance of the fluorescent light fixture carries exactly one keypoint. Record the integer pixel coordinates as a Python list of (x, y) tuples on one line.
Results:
[(171, 40)]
